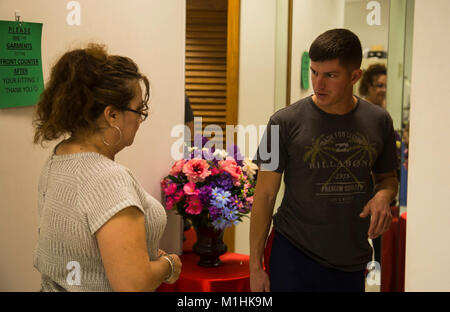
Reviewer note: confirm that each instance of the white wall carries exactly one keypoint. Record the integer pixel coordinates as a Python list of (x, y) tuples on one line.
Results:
[(310, 19), (256, 79), (428, 231), (396, 54), (152, 32), (356, 19)]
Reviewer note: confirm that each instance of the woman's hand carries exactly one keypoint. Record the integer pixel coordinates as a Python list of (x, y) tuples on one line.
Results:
[(176, 262)]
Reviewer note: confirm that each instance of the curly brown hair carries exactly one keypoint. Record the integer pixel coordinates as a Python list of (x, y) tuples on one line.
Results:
[(369, 76), (82, 84)]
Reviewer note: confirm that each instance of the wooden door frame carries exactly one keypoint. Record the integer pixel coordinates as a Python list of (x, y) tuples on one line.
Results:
[(289, 54), (232, 85)]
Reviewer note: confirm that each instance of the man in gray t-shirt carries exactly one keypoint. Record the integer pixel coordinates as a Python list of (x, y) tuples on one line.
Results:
[(338, 156)]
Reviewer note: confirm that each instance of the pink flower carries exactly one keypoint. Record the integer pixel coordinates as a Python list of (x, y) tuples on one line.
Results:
[(229, 165), (215, 171), (227, 162), (196, 170), (189, 189), (250, 199), (178, 196), (169, 203), (170, 188), (177, 167), (194, 205)]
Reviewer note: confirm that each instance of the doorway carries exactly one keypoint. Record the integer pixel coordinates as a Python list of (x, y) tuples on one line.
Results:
[(212, 67)]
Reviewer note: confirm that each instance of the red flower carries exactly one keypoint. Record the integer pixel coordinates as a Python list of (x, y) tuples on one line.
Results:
[(229, 165), (194, 205), (196, 170)]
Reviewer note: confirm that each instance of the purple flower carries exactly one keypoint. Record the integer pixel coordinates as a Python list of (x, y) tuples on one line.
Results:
[(220, 197), (205, 195), (234, 201), (221, 223), (223, 181), (214, 212)]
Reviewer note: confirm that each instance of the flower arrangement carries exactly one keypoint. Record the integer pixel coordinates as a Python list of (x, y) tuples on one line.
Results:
[(211, 187)]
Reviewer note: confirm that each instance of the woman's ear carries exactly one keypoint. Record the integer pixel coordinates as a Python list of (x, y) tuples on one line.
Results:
[(111, 114)]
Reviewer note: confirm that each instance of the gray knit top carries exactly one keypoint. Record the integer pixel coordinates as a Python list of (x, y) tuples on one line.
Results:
[(78, 193)]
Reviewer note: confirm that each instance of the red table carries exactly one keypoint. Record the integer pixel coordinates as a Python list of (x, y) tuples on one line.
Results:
[(393, 256), (232, 276)]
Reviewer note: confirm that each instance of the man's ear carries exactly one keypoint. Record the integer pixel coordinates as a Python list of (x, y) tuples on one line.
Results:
[(356, 75)]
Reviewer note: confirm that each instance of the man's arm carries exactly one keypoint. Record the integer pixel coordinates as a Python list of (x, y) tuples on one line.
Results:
[(386, 187), (267, 186)]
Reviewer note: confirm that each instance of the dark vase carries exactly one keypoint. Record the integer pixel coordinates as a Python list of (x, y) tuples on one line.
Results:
[(209, 246)]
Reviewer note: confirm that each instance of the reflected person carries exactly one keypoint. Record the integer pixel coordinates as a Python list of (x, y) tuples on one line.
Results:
[(332, 146), (373, 84)]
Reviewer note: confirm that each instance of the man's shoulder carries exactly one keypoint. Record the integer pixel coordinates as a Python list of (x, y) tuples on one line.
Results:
[(372, 109), (292, 111)]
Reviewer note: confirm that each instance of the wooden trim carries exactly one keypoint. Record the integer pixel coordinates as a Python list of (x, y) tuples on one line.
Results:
[(206, 5), (232, 85), (212, 67), (233, 61), (289, 56)]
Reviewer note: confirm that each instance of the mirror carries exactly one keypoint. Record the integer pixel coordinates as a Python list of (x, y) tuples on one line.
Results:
[(385, 30), (273, 40), (371, 21)]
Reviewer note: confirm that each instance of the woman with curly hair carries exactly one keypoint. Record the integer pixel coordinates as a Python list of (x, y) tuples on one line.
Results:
[(99, 230), (373, 84)]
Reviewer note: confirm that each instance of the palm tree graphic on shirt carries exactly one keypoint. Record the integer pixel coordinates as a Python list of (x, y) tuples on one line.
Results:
[(327, 148)]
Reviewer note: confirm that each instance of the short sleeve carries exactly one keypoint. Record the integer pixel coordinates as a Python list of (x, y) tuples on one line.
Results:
[(388, 159), (107, 194), (271, 154)]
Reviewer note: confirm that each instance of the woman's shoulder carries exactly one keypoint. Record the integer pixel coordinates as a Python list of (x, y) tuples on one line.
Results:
[(95, 167)]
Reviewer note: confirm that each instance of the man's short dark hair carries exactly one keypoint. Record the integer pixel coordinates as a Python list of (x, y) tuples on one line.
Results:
[(339, 44)]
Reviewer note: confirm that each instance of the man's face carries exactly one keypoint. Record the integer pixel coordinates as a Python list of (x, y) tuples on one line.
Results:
[(332, 83)]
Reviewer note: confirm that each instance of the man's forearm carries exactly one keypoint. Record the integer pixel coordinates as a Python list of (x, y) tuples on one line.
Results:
[(260, 221), (387, 188)]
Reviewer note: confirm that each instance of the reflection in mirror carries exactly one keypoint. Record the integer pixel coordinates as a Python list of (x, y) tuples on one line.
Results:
[(371, 23), (269, 79), (385, 30)]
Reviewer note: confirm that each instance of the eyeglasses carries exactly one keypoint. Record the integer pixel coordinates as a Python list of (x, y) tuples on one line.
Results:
[(379, 85), (144, 114)]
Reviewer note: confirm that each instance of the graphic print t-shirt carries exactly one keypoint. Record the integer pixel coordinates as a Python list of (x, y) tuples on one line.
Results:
[(327, 162)]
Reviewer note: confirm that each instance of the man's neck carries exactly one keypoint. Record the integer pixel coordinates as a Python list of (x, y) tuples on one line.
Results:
[(344, 106)]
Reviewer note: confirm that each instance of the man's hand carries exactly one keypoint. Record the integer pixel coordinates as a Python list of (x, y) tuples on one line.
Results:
[(259, 281), (386, 186), (379, 208)]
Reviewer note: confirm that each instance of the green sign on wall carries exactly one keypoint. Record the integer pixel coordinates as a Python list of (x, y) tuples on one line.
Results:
[(305, 71), (21, 80)]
